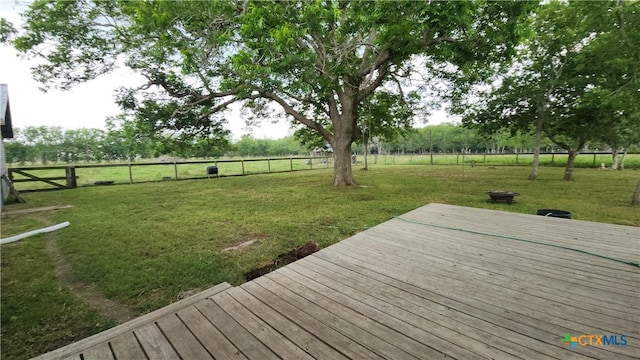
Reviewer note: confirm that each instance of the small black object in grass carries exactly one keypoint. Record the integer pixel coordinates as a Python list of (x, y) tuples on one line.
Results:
[(212, 170), (502, 196), (104, 182)]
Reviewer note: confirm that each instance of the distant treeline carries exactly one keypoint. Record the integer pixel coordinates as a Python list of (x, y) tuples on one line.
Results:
[(55, 145)]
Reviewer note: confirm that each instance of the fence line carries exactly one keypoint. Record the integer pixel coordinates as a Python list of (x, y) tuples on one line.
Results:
[(28, 178), (586, 159), (108, 174)]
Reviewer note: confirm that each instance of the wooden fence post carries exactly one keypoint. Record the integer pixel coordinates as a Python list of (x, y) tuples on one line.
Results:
[(175, 169), (130, 175), (242, 163), (70, 172)]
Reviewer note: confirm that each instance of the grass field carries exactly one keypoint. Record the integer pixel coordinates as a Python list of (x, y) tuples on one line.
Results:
[(142, 245)]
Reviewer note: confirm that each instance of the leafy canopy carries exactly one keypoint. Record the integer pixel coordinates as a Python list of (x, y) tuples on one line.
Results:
[(322, 63)]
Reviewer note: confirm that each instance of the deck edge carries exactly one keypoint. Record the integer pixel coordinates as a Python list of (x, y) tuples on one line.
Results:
[(79, 346)]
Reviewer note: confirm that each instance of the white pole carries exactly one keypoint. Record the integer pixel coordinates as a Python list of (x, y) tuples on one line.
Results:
[(34, 232)]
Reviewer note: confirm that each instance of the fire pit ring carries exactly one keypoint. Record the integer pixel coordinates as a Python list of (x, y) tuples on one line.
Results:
[(502, 196)]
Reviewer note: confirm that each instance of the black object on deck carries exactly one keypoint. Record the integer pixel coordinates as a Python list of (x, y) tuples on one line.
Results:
[(554, 213)]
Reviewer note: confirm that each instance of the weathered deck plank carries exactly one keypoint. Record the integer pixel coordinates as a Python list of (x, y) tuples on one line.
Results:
[(208, 335), (184, 342), (341, 342), (329, 316), (592, 297), (98, 352), (440, 281), (271, 338), (241, 338), (513, 315), (127, 328), (362, 321), (155, 345), (620, 240), (457, 318), (511, 299), (126, 346)]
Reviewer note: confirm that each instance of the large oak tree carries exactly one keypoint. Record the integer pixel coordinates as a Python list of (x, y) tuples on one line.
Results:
[(316, 61)]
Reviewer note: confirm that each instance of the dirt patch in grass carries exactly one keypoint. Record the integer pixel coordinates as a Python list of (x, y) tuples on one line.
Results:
[(283, 259), (87, 293)]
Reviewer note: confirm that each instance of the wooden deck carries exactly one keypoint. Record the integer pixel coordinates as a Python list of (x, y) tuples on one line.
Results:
[(439, 282)]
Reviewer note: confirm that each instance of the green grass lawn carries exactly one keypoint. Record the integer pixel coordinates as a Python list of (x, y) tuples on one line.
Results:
[(144, 244)]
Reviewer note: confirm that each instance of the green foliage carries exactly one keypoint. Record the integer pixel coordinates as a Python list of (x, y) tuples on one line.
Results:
[(570, 78), (323, 63), (124, 141), (250, 146)]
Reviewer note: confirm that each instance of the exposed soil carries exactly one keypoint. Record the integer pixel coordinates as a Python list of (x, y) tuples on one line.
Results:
[(283, 259), (86, 293)]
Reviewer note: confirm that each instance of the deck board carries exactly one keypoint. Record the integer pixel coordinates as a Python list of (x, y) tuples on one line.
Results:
[(289, 329), (184, 342), (153, 342), (98, 352), (554, 288), (439, 281), (355, 328), (515, 300), (246, 342), (126, 346), (325, 333), (208, 335)]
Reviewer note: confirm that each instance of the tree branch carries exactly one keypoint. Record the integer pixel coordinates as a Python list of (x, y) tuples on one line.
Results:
[(382, 74), (307, 101), (298, 116), (383, 57), (321, 58), (428, 41)]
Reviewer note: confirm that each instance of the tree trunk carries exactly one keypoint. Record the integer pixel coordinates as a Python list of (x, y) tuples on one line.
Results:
[(366, 153), (344, 126), (536, 150), (342, 173), (614, 162), (621, 165), (635, 201), (568, 171)]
